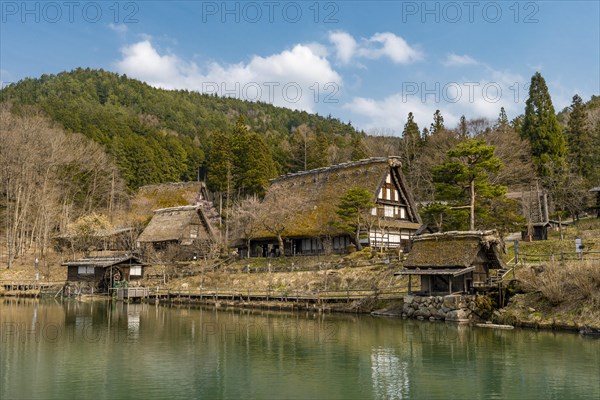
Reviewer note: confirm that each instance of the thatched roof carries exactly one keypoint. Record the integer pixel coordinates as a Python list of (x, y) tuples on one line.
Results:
[(455, 250), (170, 224), (103, 261), (317, 192)]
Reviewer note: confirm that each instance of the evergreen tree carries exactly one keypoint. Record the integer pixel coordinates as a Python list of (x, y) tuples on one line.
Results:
[(579, 138), (502, 123), (463, 129), (353, 210), (219, 177), (438, 123), (466, 176), (359, 150), (410, 143), (542, 129)]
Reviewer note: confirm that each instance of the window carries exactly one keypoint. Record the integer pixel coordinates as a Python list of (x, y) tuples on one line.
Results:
[(403, 212), (85, 270), (388, 211), (374, 211), (135, 270)]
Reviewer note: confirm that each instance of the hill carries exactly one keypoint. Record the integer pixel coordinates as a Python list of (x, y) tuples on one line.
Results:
[(158, 135)]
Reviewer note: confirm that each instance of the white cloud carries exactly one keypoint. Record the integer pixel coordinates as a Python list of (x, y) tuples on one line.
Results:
[(454, 60), (473, 98), (121, 29), (345, 45), (380, 45), (290, 78), (392, 46)]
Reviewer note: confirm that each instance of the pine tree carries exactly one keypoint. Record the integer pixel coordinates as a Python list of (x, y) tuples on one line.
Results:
[(410, 144), (220, 168), (580, 138), (502, 123), (438, 123), (353, 208), (467, 175), (463, 129), (359, 150), (542, 129)]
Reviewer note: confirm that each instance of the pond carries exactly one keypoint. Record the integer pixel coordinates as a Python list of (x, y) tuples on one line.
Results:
[(104, 350)]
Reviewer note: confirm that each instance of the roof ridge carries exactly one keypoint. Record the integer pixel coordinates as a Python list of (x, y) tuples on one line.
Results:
[(364, 161)]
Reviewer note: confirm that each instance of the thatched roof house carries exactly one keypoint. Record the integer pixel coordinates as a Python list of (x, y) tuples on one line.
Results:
[(185, 226), (455, 261), (308, 200)]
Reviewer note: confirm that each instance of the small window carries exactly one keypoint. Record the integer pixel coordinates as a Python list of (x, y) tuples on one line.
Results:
[(403, 212), (135, 270), (85, 270), (389, 211)]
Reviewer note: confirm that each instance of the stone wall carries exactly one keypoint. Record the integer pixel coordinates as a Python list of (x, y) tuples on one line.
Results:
[(460, 308)]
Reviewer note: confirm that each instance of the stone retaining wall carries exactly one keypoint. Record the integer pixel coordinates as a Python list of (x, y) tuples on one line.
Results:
[(460, 308)]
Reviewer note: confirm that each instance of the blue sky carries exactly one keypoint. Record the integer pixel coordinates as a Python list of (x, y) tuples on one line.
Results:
[(366, 62)]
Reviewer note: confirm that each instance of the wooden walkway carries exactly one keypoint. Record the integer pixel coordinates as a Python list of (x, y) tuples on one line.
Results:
[(29, 288), (200, 295)]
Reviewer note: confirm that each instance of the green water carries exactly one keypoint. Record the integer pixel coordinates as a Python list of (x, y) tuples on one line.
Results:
[(70, 350)]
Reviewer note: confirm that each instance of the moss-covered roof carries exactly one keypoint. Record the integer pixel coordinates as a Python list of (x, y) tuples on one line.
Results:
[(169, 224), (455, 250), (317, 192)]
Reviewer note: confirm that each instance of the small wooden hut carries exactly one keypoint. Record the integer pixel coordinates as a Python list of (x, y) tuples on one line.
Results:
[(103, 271), (454, 262)]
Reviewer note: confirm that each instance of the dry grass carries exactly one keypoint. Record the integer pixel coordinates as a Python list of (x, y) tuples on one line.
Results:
[(572, 282)]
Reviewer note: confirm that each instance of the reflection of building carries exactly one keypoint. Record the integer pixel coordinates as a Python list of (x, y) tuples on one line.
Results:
[(310, 225), (454, 262), (389, 374)]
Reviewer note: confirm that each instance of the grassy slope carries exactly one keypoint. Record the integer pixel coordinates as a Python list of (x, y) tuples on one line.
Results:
[(558, 294)]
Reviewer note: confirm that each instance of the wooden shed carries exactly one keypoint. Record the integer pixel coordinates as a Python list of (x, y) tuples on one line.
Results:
[(454, 262), (103, 271)]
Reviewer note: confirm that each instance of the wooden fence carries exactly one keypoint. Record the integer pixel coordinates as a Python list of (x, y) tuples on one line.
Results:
[(318, 296), (562, 256)]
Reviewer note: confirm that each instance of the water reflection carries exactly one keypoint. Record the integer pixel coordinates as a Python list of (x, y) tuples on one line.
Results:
[(118, 350)]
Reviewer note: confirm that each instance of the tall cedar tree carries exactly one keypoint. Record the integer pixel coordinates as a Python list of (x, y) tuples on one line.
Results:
[(542, 129), (467, 174), (353, 208), (410, 147), (579, 137), (438, 123), (219, 177)]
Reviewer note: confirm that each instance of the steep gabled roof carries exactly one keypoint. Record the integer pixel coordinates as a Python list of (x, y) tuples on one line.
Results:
[(317, 193), (169, 224), (454, 250)]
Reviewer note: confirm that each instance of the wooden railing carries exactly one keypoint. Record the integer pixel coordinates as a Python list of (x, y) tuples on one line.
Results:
[(389, 293), (562, 256)]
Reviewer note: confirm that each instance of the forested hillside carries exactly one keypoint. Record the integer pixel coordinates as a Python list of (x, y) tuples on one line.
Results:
[(76, 145), (161, 136)]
